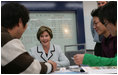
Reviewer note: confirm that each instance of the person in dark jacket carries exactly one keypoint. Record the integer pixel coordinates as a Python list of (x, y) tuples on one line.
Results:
[(108, 16)]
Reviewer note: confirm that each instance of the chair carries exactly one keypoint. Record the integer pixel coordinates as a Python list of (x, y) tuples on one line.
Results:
[(89, 51), (70, 54)]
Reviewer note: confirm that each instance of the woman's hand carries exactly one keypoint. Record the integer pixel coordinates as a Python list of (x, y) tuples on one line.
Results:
[(53, 64)]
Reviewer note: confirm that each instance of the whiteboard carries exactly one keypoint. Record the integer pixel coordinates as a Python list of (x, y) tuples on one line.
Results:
[(63, 25)]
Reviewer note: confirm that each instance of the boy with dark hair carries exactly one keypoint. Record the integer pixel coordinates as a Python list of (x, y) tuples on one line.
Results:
[(108, 16), (14, 58), (109, 47), (97, 38), (111, 24)]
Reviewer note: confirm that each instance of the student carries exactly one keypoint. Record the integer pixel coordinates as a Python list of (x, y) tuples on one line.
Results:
[(47, 50), (108, 16), (97, 38), (108, 43), (14, 58)]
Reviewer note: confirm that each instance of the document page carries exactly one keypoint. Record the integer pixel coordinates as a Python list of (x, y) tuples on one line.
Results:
[(101, 70)]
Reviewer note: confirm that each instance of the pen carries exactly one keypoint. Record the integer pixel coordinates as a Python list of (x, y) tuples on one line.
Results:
[(81, 70)]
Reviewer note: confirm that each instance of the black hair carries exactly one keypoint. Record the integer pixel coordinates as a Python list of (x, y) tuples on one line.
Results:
[(11, 13), (109, 12), (95, 12)]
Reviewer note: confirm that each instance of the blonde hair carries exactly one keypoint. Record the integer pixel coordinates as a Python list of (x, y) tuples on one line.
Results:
[(43, 29)]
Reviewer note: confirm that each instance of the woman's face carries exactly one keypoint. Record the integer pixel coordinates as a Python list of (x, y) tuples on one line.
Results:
[(45, 38), (98, 26)]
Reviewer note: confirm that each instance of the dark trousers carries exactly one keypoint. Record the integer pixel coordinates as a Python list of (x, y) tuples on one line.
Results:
[(98, 49)]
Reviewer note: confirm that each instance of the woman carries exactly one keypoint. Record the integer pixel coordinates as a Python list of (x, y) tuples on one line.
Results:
[(48, 51), (110, 21)]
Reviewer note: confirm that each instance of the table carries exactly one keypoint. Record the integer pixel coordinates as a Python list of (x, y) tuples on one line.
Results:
[(88, 70)]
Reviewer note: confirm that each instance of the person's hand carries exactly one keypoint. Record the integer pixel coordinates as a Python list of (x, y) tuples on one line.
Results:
[(78, 59), (53, 64)]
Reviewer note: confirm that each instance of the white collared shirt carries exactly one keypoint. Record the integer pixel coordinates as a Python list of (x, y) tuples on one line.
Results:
[(55, 54)]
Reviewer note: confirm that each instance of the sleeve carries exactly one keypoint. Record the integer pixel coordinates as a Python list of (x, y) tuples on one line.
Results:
[(62, 59), (93, 60), (15, 59)]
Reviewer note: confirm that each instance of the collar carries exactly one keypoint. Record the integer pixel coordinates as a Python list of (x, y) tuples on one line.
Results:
[(110, 37), (43, 55), (51, 49)]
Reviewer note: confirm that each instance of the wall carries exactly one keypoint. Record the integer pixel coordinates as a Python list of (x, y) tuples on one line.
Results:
[(88, 6), (59, 21)]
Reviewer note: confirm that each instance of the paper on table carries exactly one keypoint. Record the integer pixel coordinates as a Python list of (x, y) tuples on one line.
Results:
[(63, 70), (101, 70)]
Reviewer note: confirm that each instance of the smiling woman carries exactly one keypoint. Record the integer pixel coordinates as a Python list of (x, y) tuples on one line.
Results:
[(47, 51)]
